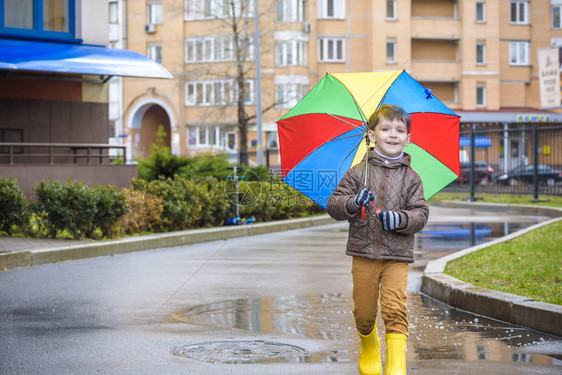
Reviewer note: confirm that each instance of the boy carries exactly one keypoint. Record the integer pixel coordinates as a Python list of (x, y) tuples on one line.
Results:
[(382, 244)]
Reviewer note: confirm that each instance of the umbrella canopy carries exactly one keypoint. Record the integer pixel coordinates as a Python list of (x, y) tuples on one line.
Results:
[(320, 138)]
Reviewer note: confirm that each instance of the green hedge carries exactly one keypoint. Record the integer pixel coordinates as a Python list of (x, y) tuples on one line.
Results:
[(187, 204), (14, 209), (76, 210), (79, 209), (274, 200)]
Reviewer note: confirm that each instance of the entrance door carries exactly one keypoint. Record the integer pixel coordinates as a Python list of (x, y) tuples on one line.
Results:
[(231, 146)]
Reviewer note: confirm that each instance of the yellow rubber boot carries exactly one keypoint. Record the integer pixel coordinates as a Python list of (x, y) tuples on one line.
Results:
[(370, 356), (395, 354)]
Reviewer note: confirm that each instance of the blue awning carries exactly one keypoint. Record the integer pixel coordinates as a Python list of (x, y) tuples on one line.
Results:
[(35, 56), (479, 141)]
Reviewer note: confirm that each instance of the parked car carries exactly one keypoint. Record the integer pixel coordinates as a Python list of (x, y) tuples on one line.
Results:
[(525, 173), (482, 172)]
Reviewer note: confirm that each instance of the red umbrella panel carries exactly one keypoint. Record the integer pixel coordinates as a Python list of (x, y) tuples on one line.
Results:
[(320, 138)]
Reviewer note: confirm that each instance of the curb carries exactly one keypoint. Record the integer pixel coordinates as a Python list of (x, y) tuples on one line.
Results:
[(511, 308), (149, 242)]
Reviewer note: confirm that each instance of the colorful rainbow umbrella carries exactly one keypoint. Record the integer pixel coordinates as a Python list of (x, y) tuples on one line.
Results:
[(322, 136)]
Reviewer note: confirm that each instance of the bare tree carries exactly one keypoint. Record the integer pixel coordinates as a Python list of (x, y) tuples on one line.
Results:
[(239, 22), (236, 16)]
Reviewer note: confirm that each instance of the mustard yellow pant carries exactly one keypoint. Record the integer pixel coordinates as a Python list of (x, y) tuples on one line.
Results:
[(387, 278)]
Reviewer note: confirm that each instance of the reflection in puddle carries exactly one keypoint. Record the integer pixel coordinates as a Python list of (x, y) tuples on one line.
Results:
[(315, 316), (437, 331), (437, 240)]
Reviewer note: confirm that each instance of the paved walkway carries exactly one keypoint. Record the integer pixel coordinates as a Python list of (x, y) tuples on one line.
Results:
[(22, 252), (242, 282), (15, 244), (270, 304)]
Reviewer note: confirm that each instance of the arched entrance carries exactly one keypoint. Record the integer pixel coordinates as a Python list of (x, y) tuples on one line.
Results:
[(144, 122)]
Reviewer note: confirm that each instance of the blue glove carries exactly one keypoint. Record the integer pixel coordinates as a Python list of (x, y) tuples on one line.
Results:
[(390, 220), (363, 198)]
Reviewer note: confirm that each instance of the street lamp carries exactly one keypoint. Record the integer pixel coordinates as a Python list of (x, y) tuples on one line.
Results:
[(258, 83)]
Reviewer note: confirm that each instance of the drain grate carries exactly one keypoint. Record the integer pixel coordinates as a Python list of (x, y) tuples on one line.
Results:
[(243, 352)]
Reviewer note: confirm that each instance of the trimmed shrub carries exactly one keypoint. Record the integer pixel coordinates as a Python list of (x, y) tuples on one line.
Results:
[(179, 202), (110, 206), (187, 204), (215, 207), (76, 208), (268, 201), (161, 163), (207, 165), (14, 209), (67, 206), (144, 212)]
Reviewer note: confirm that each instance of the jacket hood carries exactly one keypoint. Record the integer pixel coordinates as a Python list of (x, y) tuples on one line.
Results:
[(376, 159)]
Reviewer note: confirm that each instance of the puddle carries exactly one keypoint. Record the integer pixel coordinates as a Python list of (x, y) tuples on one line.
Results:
[(437, 240), (258, 351), (437, 331), (314, 316), (243, 352)]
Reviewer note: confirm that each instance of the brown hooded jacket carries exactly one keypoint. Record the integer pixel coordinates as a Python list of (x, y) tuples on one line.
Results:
[(396, 188)]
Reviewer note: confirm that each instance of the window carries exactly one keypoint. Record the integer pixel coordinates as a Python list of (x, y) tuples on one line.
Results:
[(112, 129), (206, 136), (480, 94), (519, 12), (331, 49), (45, 19), (481, 52), (480, 11), (216, 92), (391, 9), (290, 10), (289, 53), (334, 9), (113, 12), (114, 96), (231, 141), (216, 48), (212, 9), (246, 48), (556, 16), (154, 13), (287, 95), (272, 140), (11, 136), (55, 15), (519, 53), (154, 51), (391, 50)]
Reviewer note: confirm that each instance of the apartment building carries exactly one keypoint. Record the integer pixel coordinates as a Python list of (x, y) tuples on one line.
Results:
[(477, 56)]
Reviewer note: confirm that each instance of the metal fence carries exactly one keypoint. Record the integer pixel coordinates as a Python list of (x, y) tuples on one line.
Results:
[(510, 158), (60, 153)]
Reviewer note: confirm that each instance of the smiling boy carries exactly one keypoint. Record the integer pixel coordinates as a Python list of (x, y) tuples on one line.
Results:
[(382, 244)]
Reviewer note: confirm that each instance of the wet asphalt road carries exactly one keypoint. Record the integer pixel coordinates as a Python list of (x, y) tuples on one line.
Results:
[(270, 304)]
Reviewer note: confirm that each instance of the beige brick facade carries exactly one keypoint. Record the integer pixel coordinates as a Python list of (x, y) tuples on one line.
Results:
[(435, 40)]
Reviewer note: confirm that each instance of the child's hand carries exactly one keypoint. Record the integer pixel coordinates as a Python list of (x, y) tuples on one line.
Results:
[(390, 220), (363, 198)]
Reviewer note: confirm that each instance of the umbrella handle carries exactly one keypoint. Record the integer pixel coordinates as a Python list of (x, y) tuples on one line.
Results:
[(364, 210)]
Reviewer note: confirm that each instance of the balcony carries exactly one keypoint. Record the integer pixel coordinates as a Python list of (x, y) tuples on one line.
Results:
[(436, 60), (436, 28), (29, 163), (436, 70)]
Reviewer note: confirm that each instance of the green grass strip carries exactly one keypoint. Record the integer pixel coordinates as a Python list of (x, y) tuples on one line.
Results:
[(545, 200), (529, 265)]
